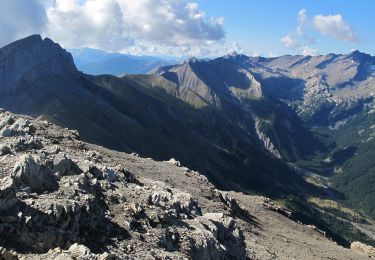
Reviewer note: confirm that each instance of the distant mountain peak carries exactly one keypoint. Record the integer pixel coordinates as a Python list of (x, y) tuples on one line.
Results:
[(190, 61), (31, 56), (357, 55), (99, 62)]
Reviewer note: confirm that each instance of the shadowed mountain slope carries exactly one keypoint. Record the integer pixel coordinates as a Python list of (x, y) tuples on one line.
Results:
[(129, 115)]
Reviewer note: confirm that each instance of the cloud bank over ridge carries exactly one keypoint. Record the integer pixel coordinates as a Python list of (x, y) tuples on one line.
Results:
[(160, 26)]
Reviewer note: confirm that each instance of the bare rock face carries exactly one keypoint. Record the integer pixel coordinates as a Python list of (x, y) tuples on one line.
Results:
[(18, 127), (31, 171), (181, 203), (79, 250), (7, 194), (204, 245), (63, 165), (228, 234), (363, 248), (110, 174)]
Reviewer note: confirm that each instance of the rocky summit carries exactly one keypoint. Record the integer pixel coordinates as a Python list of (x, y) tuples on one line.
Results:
[(66, 199)]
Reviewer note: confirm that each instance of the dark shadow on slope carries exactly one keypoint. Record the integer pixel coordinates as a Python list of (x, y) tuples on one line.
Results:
[(283, 88), (171, 76), (292, 137), (225, 147), (127, 117), (339, 157)]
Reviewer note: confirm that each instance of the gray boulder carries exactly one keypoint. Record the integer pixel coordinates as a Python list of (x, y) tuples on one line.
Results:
[(7, 194), (227, 233), (203, 245), (6, 120), (79, 251), (110, 174), (63, 165), (21, 125), (172, 199), (31, 171)]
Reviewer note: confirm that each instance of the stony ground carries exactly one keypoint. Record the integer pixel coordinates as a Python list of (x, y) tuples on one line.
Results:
[(65, 199)]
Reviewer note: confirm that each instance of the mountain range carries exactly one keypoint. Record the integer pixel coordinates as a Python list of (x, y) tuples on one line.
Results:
[(298, 129), (96, 62)]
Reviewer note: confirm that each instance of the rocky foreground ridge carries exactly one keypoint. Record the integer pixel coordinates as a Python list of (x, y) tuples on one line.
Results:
[(65, 199)]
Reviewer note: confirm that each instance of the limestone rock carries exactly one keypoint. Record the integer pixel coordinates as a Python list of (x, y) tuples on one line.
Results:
[(110, 174), (7, 194), (204, 245), (21, 125), (63, 165), (31, 171), (174, 162), (181, 202), (363, 248), (228, 234), (79, 251), (27, 143), (6, 120)]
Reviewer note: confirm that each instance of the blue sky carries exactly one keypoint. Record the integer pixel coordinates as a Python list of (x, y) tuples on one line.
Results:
[(260, 24), (196, 27)]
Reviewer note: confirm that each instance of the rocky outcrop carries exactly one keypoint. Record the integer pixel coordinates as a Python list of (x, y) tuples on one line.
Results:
[(226, 232), (266, 140), (31, 171), (7, 194), (174, 200), (11, 127), (56, 200), (363, 248)]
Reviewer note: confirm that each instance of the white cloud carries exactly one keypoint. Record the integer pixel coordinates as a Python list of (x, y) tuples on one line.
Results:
[(302, 17), (271, 54), (119, 24), (336, 27), (309, 51), (20, 18), (93, 23), (256, 54), (152, 26), (236, 48), (299, 36), (289, 42)]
